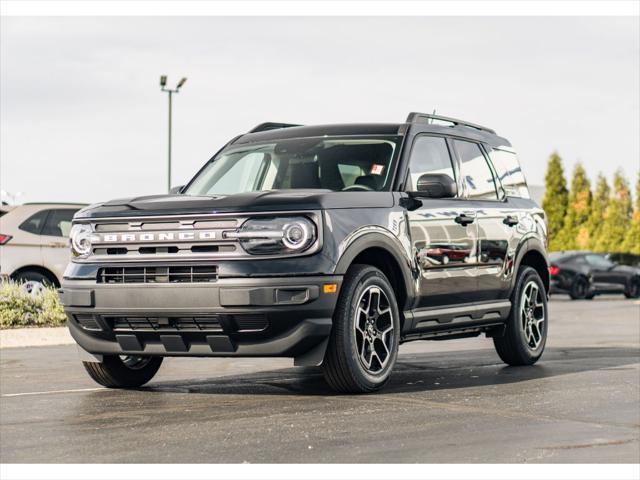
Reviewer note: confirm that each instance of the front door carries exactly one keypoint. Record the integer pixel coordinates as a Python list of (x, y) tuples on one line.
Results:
[(604, 275), (443, 232)]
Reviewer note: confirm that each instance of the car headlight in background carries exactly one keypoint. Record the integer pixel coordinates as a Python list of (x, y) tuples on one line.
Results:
[(80, 239), (276, 235)]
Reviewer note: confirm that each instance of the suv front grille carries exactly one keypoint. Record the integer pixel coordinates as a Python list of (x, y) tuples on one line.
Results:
[(140, 324), (168, 274)]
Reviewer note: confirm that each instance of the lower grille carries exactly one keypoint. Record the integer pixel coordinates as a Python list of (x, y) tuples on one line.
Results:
[(88, 322), (250, 323), (170, 274), (139, 324)]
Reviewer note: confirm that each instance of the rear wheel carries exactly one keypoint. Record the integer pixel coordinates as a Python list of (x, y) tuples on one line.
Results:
[(580, 289), (526, 328), (633, 289), (124, 371), (363, 345)]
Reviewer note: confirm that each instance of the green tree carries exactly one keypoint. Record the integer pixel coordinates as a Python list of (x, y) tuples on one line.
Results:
[(555, 200), (575, 233), (617, 217), (598, 209), (632, 241)]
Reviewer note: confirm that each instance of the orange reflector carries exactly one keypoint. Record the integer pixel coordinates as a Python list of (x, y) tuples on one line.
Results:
[(330, 288)]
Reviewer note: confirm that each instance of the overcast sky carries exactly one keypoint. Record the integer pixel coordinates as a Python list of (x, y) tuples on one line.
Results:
[(82, 117)]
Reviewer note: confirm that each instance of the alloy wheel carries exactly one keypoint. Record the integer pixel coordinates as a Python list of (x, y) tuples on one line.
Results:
[(373, 328), (532, 314)]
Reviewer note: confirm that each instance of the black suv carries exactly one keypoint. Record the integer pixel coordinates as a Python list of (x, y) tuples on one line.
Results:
[(330, 244)]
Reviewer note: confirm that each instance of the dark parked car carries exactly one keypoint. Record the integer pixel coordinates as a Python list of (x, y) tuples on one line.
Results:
[(584, 275), (314, 242)]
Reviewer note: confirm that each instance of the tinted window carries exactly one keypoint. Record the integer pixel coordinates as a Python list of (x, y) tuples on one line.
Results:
[(429, 155), (475, 171), (35, 222), (598, 261), (509, 172), (58, 223)]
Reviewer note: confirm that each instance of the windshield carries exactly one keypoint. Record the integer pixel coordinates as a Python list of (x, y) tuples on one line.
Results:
[(332, 163)]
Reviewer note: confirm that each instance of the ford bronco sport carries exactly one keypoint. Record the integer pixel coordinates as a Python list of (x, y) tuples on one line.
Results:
[(329, 244)]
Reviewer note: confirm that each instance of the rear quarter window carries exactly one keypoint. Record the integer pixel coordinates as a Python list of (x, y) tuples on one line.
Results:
[(509, 172), (35, 222)]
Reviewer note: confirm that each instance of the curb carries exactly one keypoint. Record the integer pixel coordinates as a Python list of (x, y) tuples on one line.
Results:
[(35, 337)]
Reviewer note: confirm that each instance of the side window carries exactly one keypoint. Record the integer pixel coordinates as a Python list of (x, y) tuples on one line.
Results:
[(509, 172), (35, 222), (598, 261), (59, 223), (475, 171), (429, 155)]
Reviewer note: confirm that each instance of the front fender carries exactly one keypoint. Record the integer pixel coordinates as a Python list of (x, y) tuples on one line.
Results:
[(385, 240)]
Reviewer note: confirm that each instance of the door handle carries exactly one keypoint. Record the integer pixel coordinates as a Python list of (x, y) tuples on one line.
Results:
[(464, 220), (510, 220)]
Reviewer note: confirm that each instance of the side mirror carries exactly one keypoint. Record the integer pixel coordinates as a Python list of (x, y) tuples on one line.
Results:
[(436, 185), (176, 190)]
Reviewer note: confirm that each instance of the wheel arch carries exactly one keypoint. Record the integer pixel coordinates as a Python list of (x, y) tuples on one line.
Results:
[(534, 255), (39, 269), (383, 253)]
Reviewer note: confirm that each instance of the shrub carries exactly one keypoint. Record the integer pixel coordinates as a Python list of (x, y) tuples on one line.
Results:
[(18, 308)]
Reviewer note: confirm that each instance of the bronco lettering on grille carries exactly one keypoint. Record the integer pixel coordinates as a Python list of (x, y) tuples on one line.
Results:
[(157, 237)]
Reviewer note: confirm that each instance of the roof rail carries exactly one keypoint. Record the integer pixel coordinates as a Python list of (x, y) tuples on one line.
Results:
[(263, 127), (54, 203), (416, 117)]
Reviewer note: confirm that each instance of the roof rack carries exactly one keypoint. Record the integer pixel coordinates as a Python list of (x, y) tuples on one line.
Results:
[(416, 117), (263, 127)]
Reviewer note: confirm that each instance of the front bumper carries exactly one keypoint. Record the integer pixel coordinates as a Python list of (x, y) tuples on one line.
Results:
[(288, 317)]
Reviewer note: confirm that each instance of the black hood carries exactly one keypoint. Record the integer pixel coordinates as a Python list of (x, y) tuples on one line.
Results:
[(273, 200)]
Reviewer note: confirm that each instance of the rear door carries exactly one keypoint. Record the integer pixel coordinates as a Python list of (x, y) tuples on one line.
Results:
[(54, 240), (443, 243), (495, 218)]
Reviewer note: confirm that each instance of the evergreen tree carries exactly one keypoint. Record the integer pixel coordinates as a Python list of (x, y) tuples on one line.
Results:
[(575, 233), (555, 200), (632, 241), (617, 217), (598, 208)]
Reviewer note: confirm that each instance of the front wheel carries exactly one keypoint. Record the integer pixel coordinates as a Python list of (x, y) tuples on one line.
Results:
[(363, 345), (633, 289), (526, 328), (124, 371)]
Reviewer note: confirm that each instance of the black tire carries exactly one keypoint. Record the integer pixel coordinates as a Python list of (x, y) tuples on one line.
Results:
[(633, 288), (350, 344), (515, 348), (33, 276), (580, 289), (113, 371)]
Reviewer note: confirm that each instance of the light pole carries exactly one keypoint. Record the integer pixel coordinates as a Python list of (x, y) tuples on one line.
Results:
[(13, 196), (163, 87)]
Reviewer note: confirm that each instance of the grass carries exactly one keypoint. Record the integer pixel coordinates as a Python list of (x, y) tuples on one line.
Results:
[(18, 308)]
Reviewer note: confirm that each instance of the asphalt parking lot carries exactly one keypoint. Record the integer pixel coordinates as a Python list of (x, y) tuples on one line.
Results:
[(447, 402)]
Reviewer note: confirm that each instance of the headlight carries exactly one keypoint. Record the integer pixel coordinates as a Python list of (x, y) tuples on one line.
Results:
[(276, 235), (80, 239)]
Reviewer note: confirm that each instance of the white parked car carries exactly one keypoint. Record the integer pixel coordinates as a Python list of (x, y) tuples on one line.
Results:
[(34, 241)]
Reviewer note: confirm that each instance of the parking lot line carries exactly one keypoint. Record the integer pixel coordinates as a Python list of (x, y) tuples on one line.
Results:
[(74, 390)]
